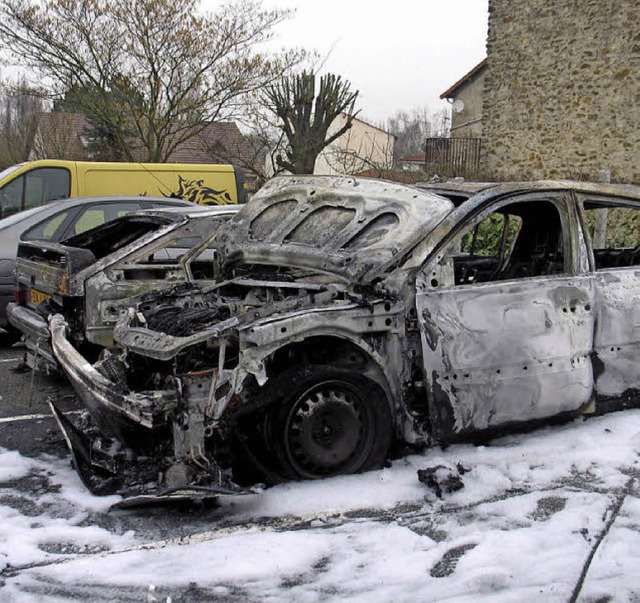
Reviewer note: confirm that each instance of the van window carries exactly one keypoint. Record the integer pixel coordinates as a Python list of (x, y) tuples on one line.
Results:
[(11, 197), (33, 189), (46, 184)]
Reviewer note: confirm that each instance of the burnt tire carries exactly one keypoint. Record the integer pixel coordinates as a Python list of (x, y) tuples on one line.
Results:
[(326, 421)]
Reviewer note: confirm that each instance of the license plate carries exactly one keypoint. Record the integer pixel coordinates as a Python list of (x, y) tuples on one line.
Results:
[(37, 297)]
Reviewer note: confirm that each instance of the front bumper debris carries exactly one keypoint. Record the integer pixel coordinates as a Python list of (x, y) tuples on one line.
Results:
[(107, 470), (36, 332), (116, 411), (128, 449)]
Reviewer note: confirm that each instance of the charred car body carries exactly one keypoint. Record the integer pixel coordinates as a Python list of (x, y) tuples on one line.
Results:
[(351, 313), (90, 277)]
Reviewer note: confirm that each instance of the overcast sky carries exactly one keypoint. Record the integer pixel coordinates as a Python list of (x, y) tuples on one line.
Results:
[(399, 54)]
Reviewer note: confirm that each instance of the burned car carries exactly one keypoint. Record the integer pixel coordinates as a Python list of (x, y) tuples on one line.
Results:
[(350, 314), (89, 278), (56, 221)]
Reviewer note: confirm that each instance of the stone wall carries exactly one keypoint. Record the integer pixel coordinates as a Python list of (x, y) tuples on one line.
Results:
[(562, 90)]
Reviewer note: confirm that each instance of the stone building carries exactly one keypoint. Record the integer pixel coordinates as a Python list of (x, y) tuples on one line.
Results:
[(562, 90)]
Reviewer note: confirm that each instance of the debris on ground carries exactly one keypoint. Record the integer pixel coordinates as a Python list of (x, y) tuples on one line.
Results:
[(443, 479)]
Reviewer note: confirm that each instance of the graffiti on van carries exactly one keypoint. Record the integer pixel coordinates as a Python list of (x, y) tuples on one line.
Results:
[(196, 191)]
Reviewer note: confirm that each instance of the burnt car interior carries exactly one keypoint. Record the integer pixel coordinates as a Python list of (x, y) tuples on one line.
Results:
[(614, 230), (162, 262), (114, 235), (517, 241)]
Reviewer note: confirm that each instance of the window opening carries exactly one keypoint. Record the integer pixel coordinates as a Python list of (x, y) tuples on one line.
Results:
[(615, 234), (520, 240)]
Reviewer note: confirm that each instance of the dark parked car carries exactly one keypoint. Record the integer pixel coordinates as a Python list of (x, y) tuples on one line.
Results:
[(92, 277), (349, 314), (56, 221)]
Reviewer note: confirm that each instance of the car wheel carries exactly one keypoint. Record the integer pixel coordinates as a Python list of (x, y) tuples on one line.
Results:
[(329, 421)]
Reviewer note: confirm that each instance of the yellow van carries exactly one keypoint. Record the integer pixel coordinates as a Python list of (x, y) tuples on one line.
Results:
[(33, 183)]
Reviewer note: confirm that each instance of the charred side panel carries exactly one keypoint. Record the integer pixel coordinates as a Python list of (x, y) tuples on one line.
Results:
[(47, 266), (617, 336), (507, 352)]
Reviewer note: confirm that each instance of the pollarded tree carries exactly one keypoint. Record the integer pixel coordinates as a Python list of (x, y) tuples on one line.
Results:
[(187, 67), (305, 118)]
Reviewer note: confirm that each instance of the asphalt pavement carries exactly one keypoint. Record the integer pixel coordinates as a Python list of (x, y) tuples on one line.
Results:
[(26, 423)]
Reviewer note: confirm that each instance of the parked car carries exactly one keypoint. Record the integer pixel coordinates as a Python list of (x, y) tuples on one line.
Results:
[(56, 221), (349, 314), (91, 277)]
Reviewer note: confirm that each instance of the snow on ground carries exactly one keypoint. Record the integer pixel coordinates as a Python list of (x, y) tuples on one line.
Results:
[(549, 516)]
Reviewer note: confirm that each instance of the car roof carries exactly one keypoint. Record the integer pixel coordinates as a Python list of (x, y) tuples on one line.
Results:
[(602, 188), (459, 192), (60, 204)]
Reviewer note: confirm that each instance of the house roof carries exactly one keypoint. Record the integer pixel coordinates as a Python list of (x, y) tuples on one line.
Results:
[(450, 92), (62, 134), (220, 141), (374, 127)]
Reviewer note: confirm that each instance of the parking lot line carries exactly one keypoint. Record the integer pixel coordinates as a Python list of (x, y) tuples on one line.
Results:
[(34, 417)]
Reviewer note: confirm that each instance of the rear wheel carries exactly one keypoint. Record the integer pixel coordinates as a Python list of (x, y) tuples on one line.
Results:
[(325, 421)]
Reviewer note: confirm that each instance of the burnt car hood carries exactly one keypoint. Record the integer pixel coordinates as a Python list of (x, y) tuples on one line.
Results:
[(349, 227)]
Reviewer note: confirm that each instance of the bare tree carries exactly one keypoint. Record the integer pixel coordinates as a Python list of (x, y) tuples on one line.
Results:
[(412, 128), (19, 107), (158, 70), (305, 118)]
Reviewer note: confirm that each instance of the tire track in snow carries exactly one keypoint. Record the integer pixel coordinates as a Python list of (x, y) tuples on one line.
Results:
[(412, 513), (614, 509)]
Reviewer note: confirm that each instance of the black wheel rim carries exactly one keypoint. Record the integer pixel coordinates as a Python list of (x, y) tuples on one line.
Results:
[(328, 430)]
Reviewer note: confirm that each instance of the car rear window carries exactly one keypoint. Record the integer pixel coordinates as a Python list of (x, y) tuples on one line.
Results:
[(110, 237)]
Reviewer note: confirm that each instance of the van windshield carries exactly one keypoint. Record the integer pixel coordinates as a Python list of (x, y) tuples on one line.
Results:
[(10, 170), (33, 188)]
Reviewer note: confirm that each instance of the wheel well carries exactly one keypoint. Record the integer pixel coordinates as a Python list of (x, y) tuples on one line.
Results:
[(327, 350)]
